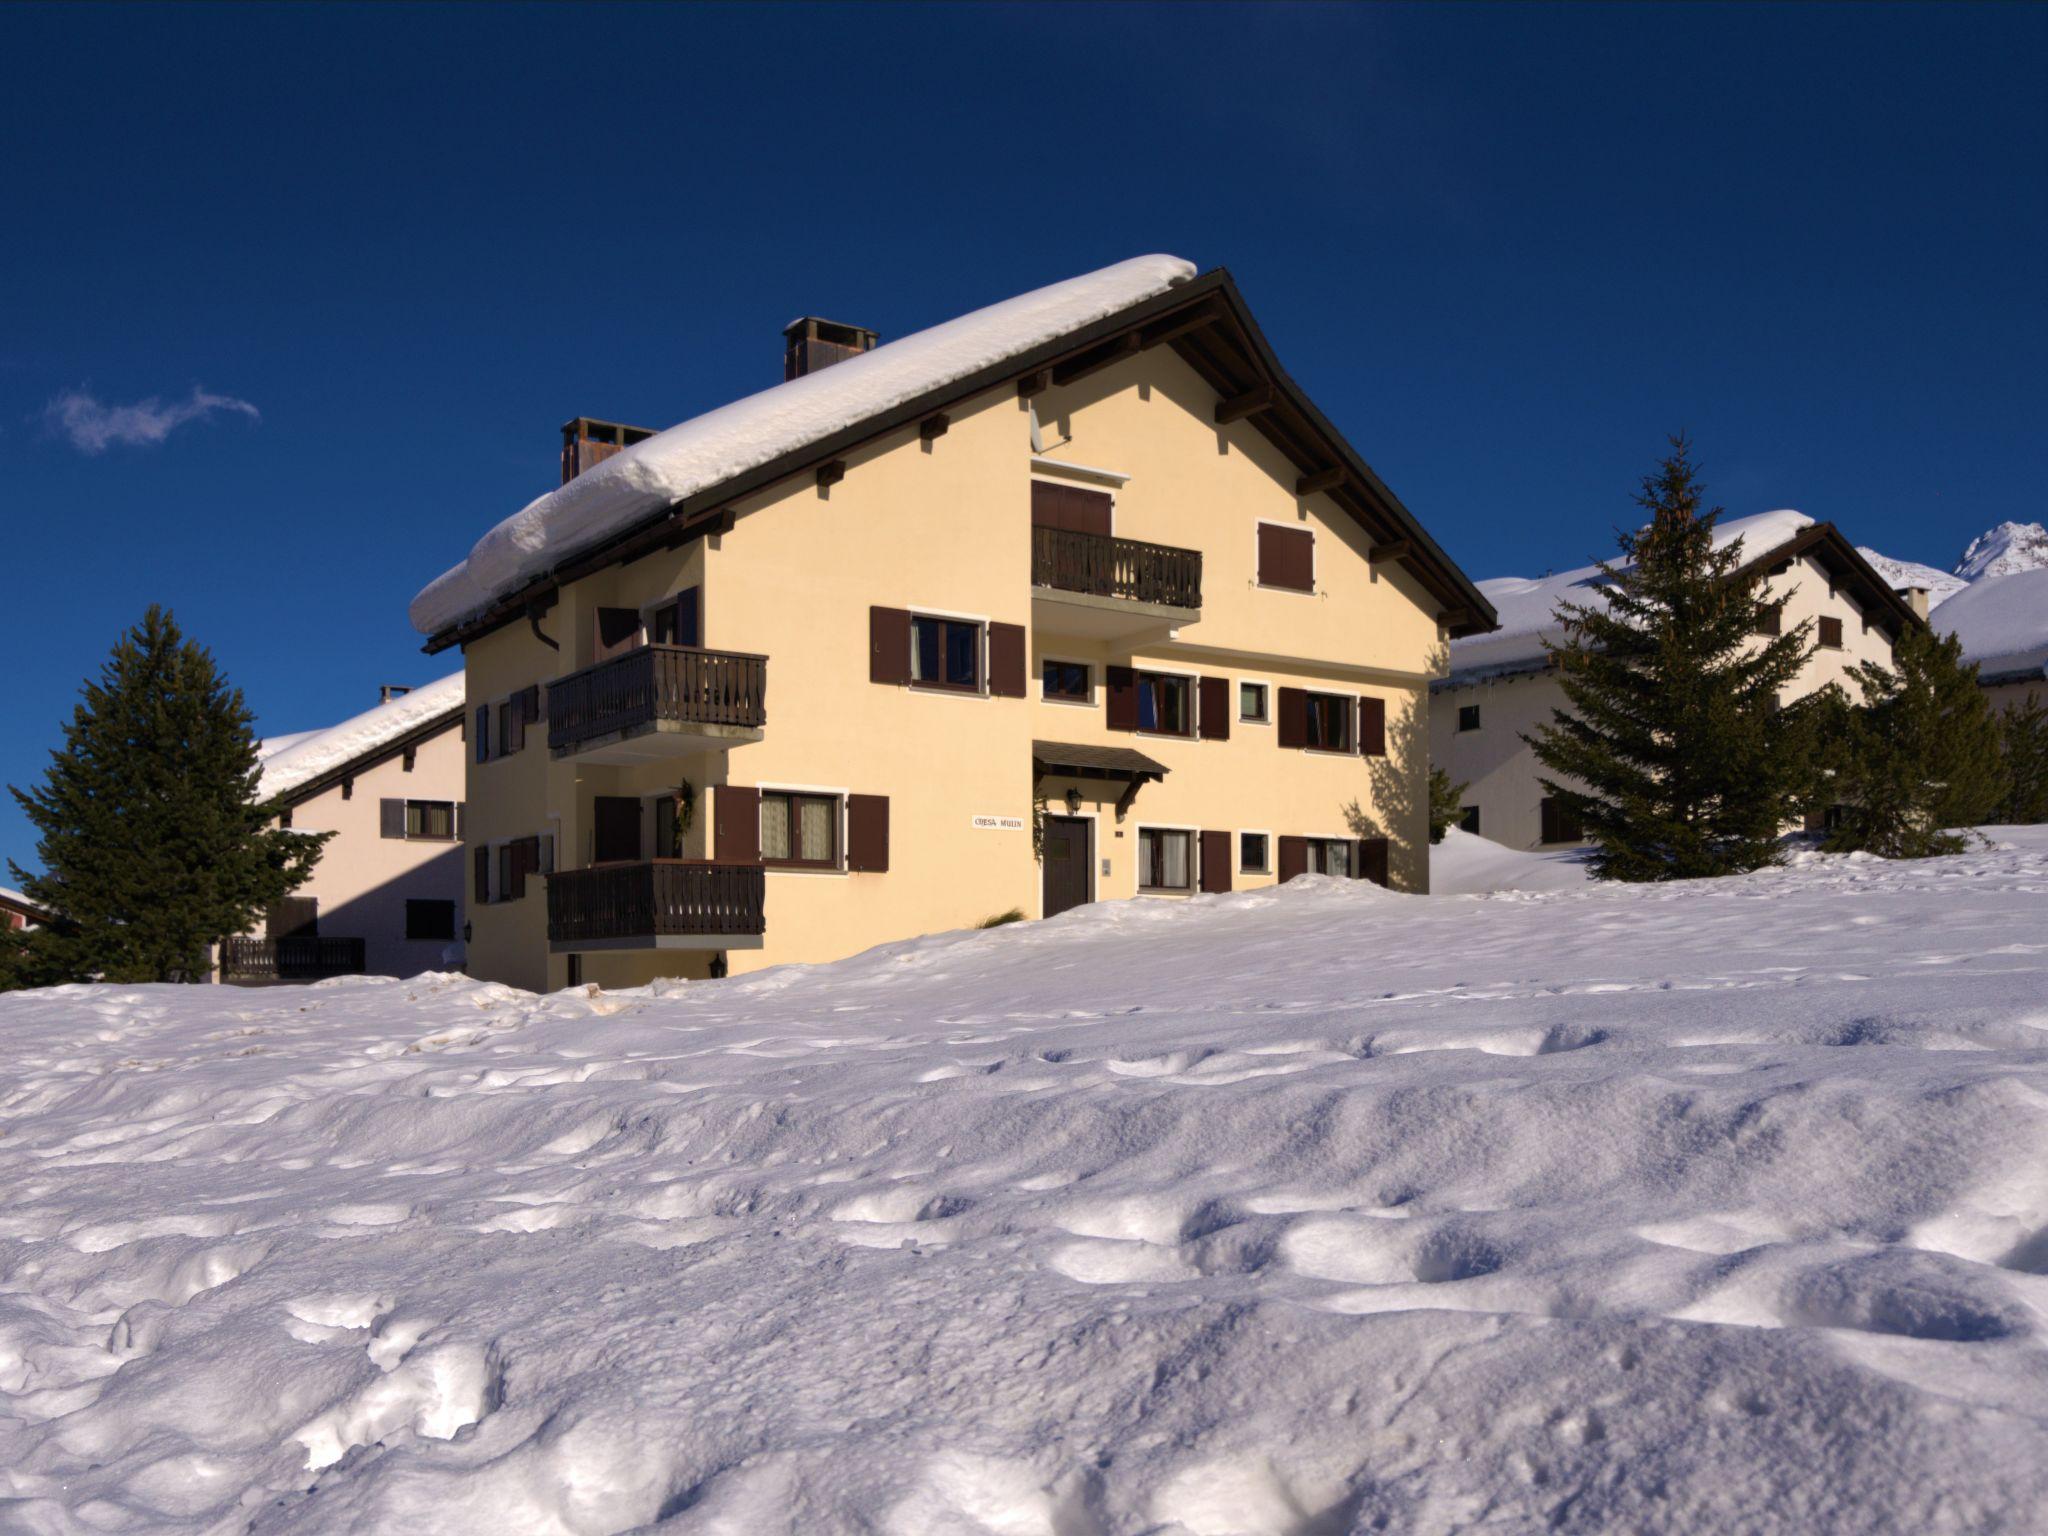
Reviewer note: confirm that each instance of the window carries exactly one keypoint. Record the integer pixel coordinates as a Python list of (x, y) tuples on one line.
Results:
[(1329, 856), (1164, 861), (431, 819), (1468, 717), (1831, 634), (800, 830), (430, 920), (511, 726), (945, 653), (1329, 722), (1560, 824), (1287, 558), (1251, 703), (516, 860), (1770, 619), (1164, 704), (284, 817), (1068, 680), (1468, 819), (1252, 853)]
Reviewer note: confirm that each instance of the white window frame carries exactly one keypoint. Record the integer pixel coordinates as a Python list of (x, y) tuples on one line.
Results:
[(1194, 885), (1315, 570), (838, 871), (1238, 685), (1070, 661), (940, 690), (1238, 838), (1194, 682)]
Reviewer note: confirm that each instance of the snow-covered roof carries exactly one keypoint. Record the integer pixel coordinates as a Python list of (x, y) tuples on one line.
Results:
[(710, 449), (291, 761), (2001, 620), (1940, 585), (1528, 605), (15, 898)]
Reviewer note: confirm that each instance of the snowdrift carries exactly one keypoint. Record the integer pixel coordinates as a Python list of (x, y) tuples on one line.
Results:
[(1707, 1207)]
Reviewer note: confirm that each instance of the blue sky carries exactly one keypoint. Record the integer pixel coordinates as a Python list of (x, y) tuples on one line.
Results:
[(366, 261)]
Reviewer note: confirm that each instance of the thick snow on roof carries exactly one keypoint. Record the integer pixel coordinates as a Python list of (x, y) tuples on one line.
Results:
[(713, 448), (307, 755), (1528, 606), (1705, 1207), (2001, 620), (8, 893), (1900, 574)]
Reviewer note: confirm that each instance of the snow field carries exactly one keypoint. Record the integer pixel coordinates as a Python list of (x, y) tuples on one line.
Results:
[(1717, 1206)]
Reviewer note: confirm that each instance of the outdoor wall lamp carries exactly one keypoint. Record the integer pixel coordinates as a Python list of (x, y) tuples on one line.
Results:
[(1073, 802)]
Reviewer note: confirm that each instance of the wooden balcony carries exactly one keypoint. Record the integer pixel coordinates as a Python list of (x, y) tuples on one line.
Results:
[(658, 701), (659, 904), (1091, 584), (302, 958)]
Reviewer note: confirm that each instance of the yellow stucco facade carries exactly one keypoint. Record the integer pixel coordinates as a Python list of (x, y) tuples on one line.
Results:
[(941, 526)]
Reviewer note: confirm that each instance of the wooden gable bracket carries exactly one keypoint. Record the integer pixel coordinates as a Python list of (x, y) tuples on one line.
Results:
[(1239, 406), (1393, 549), (1127, 345), (1033, 384), (1176, 326), (933, 427), (1123, 801), (684, 529), (830, 473), (1321, 480)]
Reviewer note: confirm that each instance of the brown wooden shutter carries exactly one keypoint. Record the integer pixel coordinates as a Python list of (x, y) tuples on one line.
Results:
[(1216, 861), (525, 859), (292, 917), (1831, 633), (1372, 860), (1293, 858), (1372, 727), (1551, 815), (1006, 660), (1293, 717), (529, 703), (888, 645), (391, 818), (483, 733), (483, 876), (736, 824), (1287, 558), (1215, 711), (461, 815), (867, 834), (617, 631), (1071, 508), (1121, 685)]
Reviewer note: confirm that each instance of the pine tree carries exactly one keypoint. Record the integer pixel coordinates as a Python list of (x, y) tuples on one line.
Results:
[(152, 839), (1445, 804), (1674, 755), (2024, 727), (1923, 753)]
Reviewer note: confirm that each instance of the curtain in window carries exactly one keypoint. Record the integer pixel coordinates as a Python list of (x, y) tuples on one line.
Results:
[(814, 819), (775, 827), (1173, 860)]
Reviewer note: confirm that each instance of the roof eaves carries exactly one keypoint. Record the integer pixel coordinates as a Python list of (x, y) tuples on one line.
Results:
[(370, 757)]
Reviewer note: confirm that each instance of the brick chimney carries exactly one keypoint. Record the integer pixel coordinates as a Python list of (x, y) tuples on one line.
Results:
[(810, 344), (1916, 599)]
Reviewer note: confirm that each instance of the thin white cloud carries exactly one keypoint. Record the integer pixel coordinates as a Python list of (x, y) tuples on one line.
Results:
[(93, 426)]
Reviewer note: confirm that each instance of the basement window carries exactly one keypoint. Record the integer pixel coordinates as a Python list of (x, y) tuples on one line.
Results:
[(1468, 717)]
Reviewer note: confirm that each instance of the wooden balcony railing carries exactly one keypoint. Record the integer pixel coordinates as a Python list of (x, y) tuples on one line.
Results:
[(1107, 567), (678, 684), (662, 898), (293, 959)]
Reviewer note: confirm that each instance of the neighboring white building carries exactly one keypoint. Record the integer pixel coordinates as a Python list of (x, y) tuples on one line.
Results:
[(386, 897), (2002, 621), (1501, 686)]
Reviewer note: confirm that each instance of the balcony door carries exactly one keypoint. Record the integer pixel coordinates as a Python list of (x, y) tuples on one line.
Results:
[(616, 823), (1068, 881), (1070, 508)]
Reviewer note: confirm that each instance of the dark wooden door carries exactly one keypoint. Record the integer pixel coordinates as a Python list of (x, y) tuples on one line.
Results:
[(617, 822), (1067, 882), (1070, 508)]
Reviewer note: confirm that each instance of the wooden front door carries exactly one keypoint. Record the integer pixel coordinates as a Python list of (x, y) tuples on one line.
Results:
[(617, 822), (1068, 880)]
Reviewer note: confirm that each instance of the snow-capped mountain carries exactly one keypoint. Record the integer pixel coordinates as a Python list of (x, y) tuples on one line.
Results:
[(2007, 548), (1910, 573)]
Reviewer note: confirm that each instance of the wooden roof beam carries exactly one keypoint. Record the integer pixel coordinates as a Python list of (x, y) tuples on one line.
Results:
[(1174, 327), (1321, 480), (933, 427), (1392, 549), (830, 473), (1238, 407), (1073, 371), (1034, 383)]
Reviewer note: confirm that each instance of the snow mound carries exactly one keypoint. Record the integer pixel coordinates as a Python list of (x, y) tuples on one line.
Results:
[(2002, 621), (1527, 607), (715, 447), (1465, 865), (290, 761), (1900, 574), (1715, 1206), (2005, 550)]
